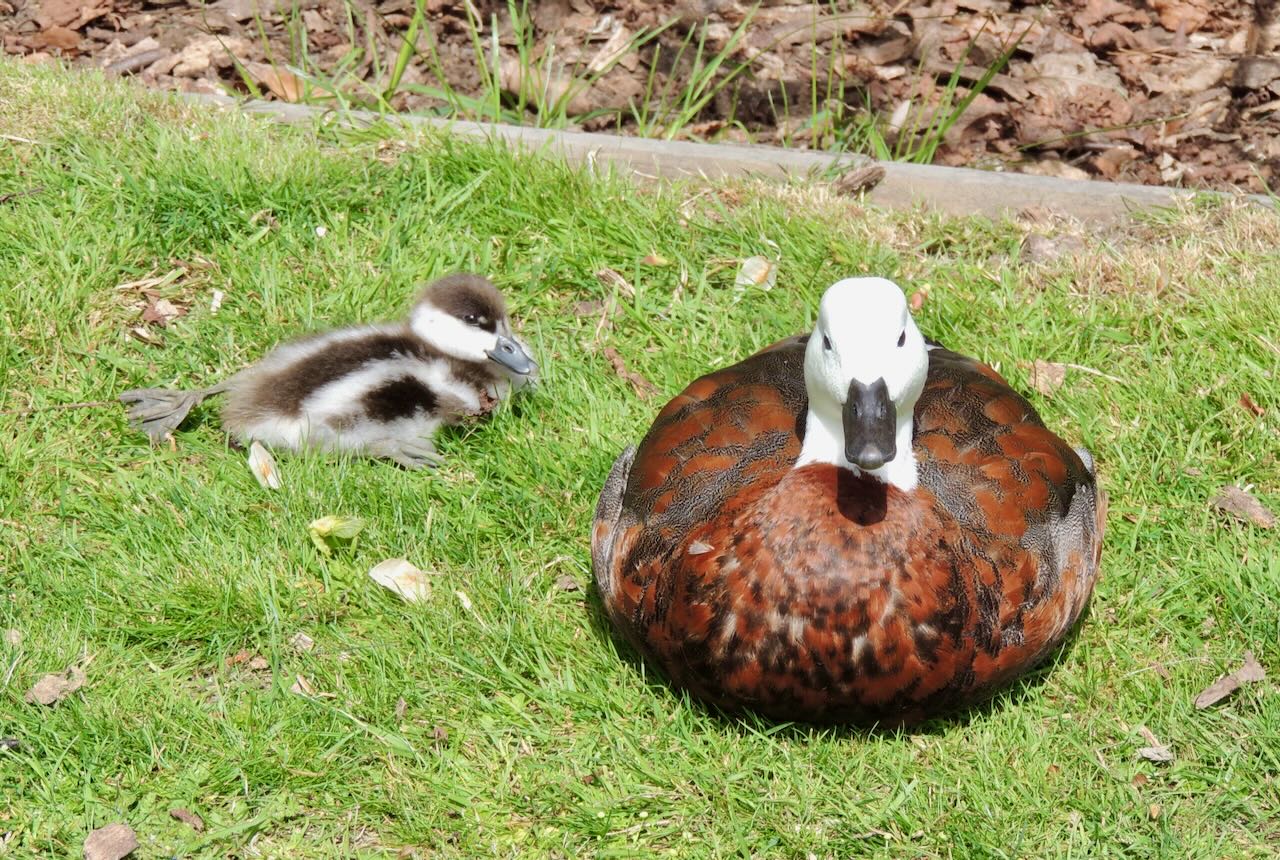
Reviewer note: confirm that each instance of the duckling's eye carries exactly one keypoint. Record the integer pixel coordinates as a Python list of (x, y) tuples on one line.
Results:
[(826, 343), (902, 338)]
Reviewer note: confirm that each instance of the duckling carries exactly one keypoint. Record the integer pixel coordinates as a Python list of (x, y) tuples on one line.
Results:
[(379, 390), (856, 525)]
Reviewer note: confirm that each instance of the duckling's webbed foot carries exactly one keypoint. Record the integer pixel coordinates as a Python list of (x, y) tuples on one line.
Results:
[(159, 411), (410, 453)]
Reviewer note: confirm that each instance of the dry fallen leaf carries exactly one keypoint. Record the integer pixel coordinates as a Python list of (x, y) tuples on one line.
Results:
[(245, 657), (141, 333), (1156, 752), (301, 642), (13, 637), (1181, 15), (1247, 402), (1238, 503), (55, 687), (263, 466), (58, 38), (194, 60), (643, 387), (859, 179), (756, 272), (1047, 376), (71, 13), (7, 744), (1039, 248), (302, 687), (566, 582), (401, 708), (919, 297), (283, 83), (189, 818), (1248, 673), (162, 312), (403, 578), (241, 656), (610, 278), (110, 843), (1139, 780), (655, 260)]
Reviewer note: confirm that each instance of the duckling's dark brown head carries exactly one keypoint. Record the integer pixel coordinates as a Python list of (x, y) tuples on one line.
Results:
[(470, 298), (464, 316)]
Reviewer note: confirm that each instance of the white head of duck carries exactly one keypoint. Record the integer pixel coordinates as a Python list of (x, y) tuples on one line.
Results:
[(864, 368)]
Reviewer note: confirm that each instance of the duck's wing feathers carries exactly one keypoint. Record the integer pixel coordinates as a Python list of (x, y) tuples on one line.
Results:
[(1026, 501), (744, 420)]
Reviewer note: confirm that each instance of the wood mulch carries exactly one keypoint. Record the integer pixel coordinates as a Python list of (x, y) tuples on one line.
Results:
[(1172, 92)]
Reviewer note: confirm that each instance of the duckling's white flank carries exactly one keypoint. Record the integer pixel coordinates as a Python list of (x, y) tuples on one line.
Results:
[(380, 390)]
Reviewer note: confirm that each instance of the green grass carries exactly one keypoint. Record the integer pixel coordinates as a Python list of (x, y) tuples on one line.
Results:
[(525, 730)]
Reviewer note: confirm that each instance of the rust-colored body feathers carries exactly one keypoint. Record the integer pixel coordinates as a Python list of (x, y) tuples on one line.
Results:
[(819, 594)]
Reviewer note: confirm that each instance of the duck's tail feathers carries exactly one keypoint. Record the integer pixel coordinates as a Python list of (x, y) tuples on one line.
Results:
[(159, 411), (604, 530)]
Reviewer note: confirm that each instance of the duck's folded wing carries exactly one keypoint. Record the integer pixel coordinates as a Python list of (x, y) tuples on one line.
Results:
[(1028, 504), (728, 430)]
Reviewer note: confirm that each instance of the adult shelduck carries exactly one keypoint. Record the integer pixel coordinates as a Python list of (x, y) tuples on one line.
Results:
[(855, 526)]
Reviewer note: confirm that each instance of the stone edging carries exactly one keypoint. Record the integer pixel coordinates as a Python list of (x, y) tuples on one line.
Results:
[(952, 190)]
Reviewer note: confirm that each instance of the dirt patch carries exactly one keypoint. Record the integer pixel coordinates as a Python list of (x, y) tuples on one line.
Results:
[(1172, 92)]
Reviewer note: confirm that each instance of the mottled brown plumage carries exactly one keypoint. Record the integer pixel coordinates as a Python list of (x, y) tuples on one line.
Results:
[(819, 594)]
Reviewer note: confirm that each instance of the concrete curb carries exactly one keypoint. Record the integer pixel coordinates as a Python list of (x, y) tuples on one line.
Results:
[(951, 190)]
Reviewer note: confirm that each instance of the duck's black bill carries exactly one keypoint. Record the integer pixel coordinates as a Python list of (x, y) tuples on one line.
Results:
[(870, 425), (512, 356)]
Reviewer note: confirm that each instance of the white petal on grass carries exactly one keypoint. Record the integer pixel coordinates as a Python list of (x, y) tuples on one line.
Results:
[(756, 272), (403, 578), (263, 466)]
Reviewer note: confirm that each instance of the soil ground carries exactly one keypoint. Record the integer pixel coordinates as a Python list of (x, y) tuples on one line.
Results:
[(1173, 92)]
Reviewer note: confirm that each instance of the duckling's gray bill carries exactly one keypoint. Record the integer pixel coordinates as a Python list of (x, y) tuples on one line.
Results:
[(512, 356)]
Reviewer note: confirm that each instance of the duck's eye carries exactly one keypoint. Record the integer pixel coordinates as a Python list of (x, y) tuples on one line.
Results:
[(902, 338), (470, 319), (826, 343)]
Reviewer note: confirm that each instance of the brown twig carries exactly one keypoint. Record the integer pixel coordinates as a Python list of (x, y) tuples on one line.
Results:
[(14, 195)]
